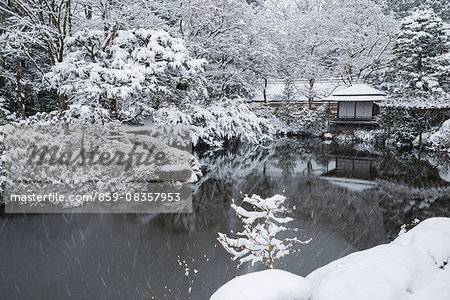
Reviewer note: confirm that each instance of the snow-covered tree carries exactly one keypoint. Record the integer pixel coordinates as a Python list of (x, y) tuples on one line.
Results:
[(312, 121), (130, 72), (234, 37), (288, 110), (5, 114), (217, 123), (37, 30), (321, 39), (403, 8), (259, 241), (419, 71)]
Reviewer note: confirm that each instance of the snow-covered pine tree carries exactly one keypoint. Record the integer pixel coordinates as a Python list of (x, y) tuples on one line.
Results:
[(259, 241), (403, 8), (288, 108), (128, 72), (417, 72)]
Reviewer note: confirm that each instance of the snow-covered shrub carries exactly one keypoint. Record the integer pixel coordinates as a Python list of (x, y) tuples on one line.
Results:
[(129, 72), (368, 136), (310, 122), (403, 125), (218, 122), (5, 115), (439, 140), (258, 242), (75, 114)]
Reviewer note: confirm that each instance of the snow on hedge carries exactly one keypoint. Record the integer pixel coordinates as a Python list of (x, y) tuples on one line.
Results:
[(414, 266)]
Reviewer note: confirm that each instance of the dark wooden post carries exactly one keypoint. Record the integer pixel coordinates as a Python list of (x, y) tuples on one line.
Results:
[(264, 90)]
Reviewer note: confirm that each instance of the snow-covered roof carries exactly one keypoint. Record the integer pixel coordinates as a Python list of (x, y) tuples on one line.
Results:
[(441, 103), (357, 92)]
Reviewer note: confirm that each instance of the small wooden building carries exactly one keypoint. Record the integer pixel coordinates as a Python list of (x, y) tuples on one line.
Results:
[(356, 105)]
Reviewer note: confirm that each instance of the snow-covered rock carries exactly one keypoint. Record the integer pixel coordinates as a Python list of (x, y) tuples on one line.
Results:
[(265, 285), (414, 266)]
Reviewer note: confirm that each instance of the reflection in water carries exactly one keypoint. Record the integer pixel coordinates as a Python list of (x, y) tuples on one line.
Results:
[(113, 256)]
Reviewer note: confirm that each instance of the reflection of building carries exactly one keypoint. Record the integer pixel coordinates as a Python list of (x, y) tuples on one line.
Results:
[(357, 106), (361, 170), (354, 167), (354, 173)]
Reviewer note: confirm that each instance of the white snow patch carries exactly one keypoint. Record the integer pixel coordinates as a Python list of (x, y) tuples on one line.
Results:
[(328, 136), (265, 285), (430, 237)]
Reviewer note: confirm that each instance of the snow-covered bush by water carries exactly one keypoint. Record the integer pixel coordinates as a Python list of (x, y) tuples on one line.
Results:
[(412, 267), (258, 241), (216, 123), (439, 140)]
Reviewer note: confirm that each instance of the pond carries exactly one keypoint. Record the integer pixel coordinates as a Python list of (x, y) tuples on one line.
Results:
[(348, 197)]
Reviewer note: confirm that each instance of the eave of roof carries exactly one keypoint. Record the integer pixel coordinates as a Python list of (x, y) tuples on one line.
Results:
[(361, 98)]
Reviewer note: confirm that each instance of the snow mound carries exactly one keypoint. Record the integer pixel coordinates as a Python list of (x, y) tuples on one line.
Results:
[(411, 267), (264, 285), (430, 237), (384, 272)]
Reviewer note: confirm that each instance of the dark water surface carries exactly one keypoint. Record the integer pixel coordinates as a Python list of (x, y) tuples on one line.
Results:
[(349, 198)]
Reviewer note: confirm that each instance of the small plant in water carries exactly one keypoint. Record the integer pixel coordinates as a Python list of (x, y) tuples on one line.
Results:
[(258, 241)]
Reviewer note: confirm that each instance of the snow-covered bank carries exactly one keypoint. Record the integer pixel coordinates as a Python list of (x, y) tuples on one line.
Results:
[(414, 266)]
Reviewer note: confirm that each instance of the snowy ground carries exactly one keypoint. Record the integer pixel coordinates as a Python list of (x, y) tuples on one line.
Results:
[(414, 266)]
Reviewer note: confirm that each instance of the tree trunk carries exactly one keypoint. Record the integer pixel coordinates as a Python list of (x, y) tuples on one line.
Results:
[(19, 89), (62, 102), (311, 97), (265, 90)]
